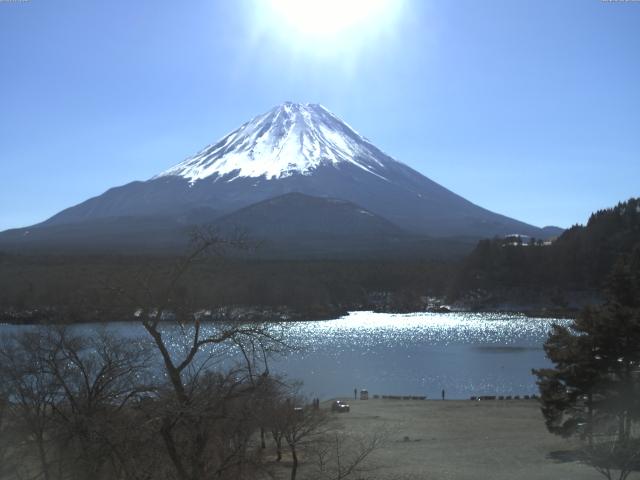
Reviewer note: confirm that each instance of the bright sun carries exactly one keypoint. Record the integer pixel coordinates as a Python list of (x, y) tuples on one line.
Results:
[(328, 30), (328, 18)]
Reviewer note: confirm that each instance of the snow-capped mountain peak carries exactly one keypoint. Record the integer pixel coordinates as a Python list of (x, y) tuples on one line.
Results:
[(292, 149), (289, 139)]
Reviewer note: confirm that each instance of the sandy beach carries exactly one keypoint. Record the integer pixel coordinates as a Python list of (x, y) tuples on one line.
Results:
[(458, 439)]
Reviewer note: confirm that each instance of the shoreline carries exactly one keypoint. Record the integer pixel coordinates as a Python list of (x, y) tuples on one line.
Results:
[(268, 315)]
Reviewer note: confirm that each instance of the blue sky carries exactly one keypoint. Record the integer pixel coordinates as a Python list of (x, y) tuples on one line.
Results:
[(530, 109)]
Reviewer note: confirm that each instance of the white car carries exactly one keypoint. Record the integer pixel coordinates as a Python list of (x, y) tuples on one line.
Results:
[(340, 407)]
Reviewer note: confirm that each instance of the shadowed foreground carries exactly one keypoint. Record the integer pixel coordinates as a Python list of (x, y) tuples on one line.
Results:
[(464, 440)]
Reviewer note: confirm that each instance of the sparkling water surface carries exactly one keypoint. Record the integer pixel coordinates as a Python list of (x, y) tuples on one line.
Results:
[(400, 354), (419, 354)]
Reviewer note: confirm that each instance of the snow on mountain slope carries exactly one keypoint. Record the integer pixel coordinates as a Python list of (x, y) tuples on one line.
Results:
[(295, 148), (291, 138)]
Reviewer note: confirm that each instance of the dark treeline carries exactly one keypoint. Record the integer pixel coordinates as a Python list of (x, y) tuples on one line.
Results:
[(76, 288), (574, 267), (501, 273)]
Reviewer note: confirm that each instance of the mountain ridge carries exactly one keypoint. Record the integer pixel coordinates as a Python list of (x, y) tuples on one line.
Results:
[(300, 148)]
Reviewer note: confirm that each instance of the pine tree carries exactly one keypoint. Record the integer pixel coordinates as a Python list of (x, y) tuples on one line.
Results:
[(593, 390)]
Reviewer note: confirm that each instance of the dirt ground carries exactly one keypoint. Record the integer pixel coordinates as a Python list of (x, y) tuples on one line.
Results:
[(458, 439)]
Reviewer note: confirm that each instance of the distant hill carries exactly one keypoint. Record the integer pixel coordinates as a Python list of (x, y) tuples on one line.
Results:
[(125, 234), (297, 224), (296, 215), (293, 225), (552, 232), (580, 260)]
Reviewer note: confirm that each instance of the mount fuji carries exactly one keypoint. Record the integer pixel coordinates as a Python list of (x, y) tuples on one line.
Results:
[(320, 166)]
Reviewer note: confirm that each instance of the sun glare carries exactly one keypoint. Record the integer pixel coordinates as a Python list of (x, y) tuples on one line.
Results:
[(329, 27), (325, 18)]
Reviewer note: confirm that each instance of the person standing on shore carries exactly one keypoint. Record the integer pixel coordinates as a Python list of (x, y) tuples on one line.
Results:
[(355, 393), (443, 393)]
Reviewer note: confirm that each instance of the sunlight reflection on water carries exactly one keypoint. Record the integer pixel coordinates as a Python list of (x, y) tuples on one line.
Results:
[(399, 354), (368, 329), (419, 353)]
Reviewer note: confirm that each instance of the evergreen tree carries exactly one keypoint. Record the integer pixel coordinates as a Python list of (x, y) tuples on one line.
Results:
[(593, 389)]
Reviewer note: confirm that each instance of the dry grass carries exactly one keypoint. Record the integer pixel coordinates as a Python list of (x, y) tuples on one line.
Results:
[(464, 440)]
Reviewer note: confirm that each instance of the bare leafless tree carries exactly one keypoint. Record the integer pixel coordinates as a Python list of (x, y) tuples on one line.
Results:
[(200, 401), (97, 377), (612, 458), (298, 424), (64, 390), (339, 456), (30, 395)]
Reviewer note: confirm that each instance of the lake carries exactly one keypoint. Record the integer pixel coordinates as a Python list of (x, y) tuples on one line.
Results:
[(406, 354), (419, 354)]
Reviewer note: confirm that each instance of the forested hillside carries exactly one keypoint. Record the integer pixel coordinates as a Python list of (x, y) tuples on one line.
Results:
[(65, 288), (564, 273)]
